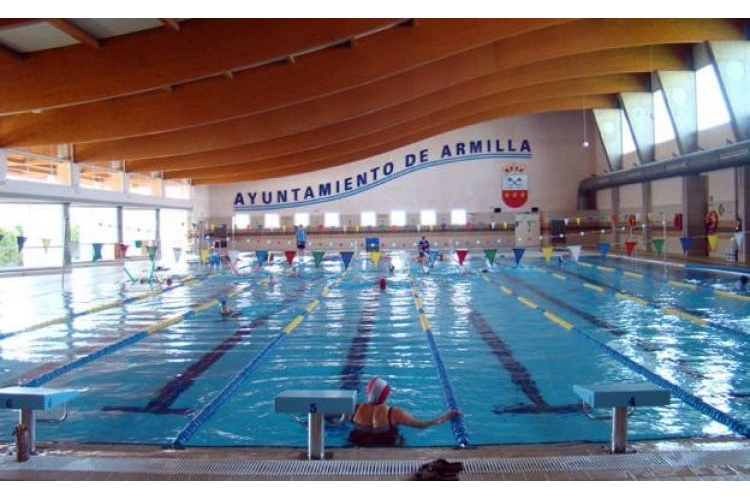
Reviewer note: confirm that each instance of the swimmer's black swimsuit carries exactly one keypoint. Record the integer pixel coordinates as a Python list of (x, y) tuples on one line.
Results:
[(368, 437)]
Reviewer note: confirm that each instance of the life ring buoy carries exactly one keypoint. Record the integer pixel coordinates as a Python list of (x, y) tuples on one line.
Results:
[(632, 220), (712, 221)]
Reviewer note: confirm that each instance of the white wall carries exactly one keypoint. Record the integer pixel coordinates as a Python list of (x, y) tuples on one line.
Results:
[(554, 168)]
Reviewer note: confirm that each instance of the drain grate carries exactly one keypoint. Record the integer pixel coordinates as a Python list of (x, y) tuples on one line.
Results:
[(233, 467)]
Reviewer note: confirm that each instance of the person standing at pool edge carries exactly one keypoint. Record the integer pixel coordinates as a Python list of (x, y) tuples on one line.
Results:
[(424, 248), (377, 424), (301, 240)]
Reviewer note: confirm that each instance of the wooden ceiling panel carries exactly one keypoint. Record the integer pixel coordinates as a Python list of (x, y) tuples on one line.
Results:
[(226, 100)]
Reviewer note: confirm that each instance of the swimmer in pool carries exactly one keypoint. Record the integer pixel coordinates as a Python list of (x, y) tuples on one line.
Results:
[(225, 310), (377, 424)]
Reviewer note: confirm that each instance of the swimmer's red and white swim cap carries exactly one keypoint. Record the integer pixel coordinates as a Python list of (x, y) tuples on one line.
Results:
[(377, 391)]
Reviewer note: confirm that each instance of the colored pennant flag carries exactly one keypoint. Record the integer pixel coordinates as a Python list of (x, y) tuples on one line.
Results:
[(151, 249), (547, 252), (518, 254), (575, 251), (45, 244), (603, 249), (489, 254), (658, 245), (290, 254), (461, 252), (686, 242), (629, 247), (433, 257), (20, 240), (97, 251), (318, 257), (346, 257), (176, 252), (374, 257), (123, 249), (738, 237), (713, 239), (262, 256), (204, 255)]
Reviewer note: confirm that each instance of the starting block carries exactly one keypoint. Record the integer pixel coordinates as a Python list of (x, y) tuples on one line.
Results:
[(620, 397), (30, 399), (317, 404)]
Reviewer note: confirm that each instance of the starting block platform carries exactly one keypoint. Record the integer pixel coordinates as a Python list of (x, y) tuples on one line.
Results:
[(317, 404), (31, 399), (621, 397)]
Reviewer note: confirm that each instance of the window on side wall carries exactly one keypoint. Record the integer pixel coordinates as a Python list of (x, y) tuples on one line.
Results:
[(458, 217), (332, 219), (427, 217), (398, 218), (368, 219), (271, 221), (302, 219)]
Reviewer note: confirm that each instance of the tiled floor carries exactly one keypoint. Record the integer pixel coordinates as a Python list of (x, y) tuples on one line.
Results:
[(723, 460)]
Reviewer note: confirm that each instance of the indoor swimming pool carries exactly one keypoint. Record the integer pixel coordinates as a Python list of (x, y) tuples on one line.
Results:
[(504, 342)]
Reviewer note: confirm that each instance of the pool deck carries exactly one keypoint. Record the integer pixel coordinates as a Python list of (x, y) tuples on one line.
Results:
[(680, 460)]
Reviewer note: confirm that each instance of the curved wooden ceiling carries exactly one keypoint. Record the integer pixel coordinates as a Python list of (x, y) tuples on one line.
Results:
[(232, 100)]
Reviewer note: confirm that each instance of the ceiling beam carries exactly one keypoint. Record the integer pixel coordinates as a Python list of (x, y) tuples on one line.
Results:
[(211, 101), (75, 32), (601, 63), (170, 24), (289, 121), (10, 54), (393, 136), (228, 177), (153, 59)]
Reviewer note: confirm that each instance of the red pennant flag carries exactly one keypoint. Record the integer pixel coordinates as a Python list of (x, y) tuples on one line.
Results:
[(461, 255), (629, 247), (290, 254)]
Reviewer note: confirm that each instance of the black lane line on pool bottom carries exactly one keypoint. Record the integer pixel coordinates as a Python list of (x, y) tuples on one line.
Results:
[(351, 375), (644, 345), (519, 374), (168, 394)]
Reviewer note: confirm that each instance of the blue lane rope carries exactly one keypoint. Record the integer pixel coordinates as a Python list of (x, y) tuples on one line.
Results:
[(181, 282), (108, 349), (733, 424), (460, 433), (46, 377), (644, 301), (91, 310), (209, 409), (222, 396)]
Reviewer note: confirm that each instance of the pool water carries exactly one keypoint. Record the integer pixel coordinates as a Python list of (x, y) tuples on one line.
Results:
[(505, 343)]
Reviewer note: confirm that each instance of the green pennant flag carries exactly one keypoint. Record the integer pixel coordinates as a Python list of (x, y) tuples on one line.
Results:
[(489, 253), (658, 245), (318, 256)]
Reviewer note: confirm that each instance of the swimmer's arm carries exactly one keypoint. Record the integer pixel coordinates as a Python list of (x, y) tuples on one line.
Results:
[(400, 416)]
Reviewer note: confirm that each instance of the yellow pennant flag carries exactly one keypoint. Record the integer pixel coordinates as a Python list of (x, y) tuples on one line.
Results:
[(547, 252), (374, 257), (45, 243), (712, 240), (204, 255)]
